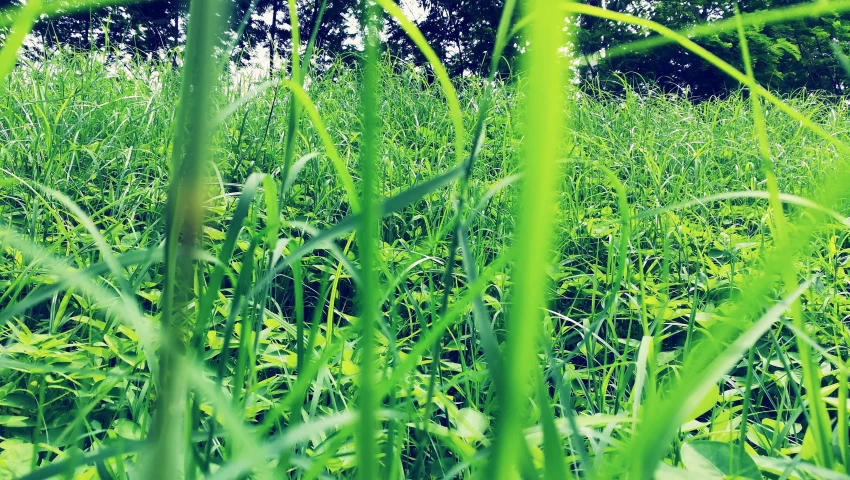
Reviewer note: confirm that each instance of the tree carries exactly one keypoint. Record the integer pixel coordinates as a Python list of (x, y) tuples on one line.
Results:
[(461, 32), (142, 27), (269, 25), (785, 56)]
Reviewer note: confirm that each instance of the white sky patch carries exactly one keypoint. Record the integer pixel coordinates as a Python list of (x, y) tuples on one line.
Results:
[(412, 9)]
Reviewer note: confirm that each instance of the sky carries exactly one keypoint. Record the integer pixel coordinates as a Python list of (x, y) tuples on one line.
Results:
[(260, 57)]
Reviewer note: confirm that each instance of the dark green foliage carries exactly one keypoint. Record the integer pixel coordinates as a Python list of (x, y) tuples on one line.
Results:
[(786, 56), (462, 32)]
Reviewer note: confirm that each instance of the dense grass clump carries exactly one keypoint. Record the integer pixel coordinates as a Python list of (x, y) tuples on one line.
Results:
[(664, 272)]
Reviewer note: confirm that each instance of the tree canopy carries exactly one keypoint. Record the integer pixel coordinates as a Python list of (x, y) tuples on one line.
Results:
[(786, 56)]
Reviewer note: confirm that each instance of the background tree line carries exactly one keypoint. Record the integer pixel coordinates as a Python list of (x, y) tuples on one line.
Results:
[(786, 56)]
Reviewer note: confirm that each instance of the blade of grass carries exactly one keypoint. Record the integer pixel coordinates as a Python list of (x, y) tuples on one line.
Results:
[(455, 112), (579, 8), (367, 238), (811, 372), (542, 148), (764, 17), (784, 197), (82, 281), (553, 450), (24, 20), (664, 418), (330, 148), (183, 217), (294, 116)]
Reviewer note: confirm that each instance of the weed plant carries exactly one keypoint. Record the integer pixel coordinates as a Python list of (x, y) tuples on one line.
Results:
[(378, 271)]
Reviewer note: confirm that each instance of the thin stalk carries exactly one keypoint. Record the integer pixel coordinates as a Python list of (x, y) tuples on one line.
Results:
[(367, 238), (542, 148), (811, 372), (183, 219)]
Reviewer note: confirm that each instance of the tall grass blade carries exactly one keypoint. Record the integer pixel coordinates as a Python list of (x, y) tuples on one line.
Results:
[(24, 20), (811, 372), (367, 238), (664, 417), (542, 148), (183, 223)]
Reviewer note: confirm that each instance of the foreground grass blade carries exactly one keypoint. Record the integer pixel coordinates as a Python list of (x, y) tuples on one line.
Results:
[(56, 469), (367, 238), (783, 197), (299, 94), (819, 417), (442, 75), (183, 224), (69, 277), (542, 147), (24, 20), (765, 17), (714, 60), (57, 8), (83, 280), (663, 418)]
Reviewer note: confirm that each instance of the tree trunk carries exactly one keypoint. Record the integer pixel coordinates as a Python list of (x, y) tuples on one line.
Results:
[(88, 31), (272, 38)]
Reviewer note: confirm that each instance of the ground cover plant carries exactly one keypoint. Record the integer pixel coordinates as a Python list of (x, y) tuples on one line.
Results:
[(378, 271)]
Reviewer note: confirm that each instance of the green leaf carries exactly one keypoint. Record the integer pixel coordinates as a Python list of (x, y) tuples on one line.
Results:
[(15, 457), (783, 45), (471, 424), (127, 429), (718, 460), (809, 449), (15, 421)]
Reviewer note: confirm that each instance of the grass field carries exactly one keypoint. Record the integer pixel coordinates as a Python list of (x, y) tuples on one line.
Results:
[(618, 295)]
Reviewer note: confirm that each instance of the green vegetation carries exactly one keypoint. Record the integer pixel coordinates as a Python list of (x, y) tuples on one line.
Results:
[(382, 272)]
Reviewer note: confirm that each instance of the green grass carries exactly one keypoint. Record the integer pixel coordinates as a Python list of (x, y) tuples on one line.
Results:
[(387, 274)]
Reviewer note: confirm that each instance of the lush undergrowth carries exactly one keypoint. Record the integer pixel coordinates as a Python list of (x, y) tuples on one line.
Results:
[(656, 230)]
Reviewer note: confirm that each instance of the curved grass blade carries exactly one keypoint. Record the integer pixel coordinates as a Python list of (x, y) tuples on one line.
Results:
[(783, 197), (64, 467), (481, 319), (663, 419), (819, 417), (25, 19), (330, 148), (287, 440), (455, 112), (59, 8), (110, 302), (579, 8), (766, 17), (46, 291)]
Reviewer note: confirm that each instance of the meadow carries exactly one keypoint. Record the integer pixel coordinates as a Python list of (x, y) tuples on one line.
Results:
[(388, 274)]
